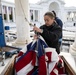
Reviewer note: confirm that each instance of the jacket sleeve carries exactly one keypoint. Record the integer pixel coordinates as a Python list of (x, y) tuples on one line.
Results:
[(52, 35), (59, 22)]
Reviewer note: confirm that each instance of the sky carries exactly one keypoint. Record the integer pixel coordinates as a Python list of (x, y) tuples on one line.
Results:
[(68, 2)]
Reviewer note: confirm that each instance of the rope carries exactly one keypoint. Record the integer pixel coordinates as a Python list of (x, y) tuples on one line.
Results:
[(25, 15), (26, 18)]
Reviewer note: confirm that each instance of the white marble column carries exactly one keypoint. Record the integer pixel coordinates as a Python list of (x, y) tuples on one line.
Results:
[(74, 17), (23, 28), (33, 15), (68, 16), (8, 19), (13, 13), (73, 48)]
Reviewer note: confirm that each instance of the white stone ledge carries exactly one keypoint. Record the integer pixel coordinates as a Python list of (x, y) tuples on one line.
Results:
[(7, 63)]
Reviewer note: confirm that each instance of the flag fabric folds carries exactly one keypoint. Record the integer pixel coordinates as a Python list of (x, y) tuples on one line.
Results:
[(38, 59)]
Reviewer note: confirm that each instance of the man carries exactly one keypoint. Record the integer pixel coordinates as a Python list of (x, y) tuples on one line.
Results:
[(60, 23)]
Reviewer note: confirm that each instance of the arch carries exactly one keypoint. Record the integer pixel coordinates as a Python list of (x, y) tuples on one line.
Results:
[(54, 6)]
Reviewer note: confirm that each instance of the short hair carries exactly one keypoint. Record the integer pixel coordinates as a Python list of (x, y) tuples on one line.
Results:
[(54, 13), (50, 14)]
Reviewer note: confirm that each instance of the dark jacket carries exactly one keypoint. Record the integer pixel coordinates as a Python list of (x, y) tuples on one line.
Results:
[(51, 35), (60, 23)]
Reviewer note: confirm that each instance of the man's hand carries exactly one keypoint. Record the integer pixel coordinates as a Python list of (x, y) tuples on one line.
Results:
[(37, 29), (35, 36)]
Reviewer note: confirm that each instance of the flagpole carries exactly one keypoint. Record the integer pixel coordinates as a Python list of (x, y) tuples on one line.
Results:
[(1, 33)]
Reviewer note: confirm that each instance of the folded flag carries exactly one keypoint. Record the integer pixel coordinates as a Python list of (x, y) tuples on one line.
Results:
[(37, 59)]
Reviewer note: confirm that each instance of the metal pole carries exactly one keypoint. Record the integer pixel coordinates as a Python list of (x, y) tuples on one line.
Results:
[(2, 54)]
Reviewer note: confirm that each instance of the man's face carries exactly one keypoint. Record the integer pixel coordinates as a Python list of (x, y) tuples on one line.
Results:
[(48, 20)]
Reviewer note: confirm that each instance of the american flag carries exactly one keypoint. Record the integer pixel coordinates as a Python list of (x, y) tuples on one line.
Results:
[(38, 59)]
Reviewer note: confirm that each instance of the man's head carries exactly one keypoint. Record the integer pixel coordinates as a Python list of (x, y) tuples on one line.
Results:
[(49, 18)]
